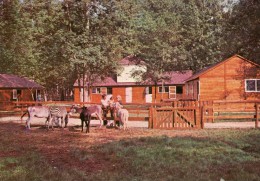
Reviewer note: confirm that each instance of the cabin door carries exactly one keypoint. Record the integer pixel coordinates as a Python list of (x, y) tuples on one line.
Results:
[(148, 95), (84, 96), (128, 94)]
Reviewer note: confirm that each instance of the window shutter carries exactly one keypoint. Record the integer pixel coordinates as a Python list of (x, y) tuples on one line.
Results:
[(172, 92)]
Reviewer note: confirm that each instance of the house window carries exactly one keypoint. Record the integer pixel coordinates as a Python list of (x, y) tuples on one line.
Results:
[(252, 85), (16, 93), (166, 89), (96, 90), (148, 90), (179, 90), (109, 90)]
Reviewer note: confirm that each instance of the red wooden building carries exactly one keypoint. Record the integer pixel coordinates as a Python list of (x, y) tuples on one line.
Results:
[(235, 78), (15, 88), (130, 89)]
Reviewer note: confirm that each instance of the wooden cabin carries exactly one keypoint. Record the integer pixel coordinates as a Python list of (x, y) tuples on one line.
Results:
[(235, 78), (131, 89), (15, 88)]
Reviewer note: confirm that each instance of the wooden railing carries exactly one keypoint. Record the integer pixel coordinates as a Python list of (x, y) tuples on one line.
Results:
[(138, 112), (231, 111), (186, 113)]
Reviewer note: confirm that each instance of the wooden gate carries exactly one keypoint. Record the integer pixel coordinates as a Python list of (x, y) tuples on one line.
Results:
[(182, 115)]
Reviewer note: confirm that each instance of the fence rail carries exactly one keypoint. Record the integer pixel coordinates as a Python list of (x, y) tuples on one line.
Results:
[(138, 112), (174, 115)]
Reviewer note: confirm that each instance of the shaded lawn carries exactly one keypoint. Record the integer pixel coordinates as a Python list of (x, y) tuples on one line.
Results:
[(231, 154)]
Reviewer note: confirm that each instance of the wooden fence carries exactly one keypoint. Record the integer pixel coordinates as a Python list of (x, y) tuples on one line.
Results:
[(181, 115), (138, 112), (193, 114), (175, 115), (231, 111)]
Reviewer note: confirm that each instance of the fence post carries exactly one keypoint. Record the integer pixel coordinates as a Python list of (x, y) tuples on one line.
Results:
[(21, 112), (256, 113), (175, 104), (150, 123), (202, 117)]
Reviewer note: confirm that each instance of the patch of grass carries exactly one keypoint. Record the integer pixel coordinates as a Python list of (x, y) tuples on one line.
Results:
[(188, 158), (80, 154), (231, 154), (33, 167)]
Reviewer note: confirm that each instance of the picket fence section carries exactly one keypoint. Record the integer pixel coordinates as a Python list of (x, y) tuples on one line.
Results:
[(181, 115)]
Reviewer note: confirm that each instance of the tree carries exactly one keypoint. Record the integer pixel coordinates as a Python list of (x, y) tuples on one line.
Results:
[(16, 50), (157, 32), (243, 30), (176, 36), (55, 42), (202, 23), (89, 30)]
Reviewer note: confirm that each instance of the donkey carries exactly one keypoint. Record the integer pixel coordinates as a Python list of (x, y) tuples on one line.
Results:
[(85, 116), (36, 111), (93, 110)]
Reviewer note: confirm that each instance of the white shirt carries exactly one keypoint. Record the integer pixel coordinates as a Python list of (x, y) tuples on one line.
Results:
[(104, 103)]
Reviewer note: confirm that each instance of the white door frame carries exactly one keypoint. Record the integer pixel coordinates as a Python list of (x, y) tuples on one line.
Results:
[(128, 94), (148, 95)]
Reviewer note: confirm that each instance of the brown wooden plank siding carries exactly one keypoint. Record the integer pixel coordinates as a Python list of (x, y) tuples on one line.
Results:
[(138, 94), (225, 81), (7, 95)]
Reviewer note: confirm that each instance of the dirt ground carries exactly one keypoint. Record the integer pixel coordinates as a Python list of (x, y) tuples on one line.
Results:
[(61, 146), (133, 124)]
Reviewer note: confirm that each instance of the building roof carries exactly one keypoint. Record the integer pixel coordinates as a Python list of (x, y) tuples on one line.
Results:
[(176, 78), (129, 60), (211, 67), (14, 81)]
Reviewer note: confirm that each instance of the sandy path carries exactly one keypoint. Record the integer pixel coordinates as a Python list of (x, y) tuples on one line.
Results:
[(138, 124)]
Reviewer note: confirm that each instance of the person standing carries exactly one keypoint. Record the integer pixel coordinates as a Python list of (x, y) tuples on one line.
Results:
[(104, 106), (111, 108)]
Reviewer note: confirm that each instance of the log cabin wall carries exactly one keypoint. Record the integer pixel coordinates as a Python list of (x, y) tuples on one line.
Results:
[(224, 81), (7, 95)]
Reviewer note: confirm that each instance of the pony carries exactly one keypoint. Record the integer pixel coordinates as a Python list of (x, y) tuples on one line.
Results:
[(85, 116), (93, 111), (122, 114)]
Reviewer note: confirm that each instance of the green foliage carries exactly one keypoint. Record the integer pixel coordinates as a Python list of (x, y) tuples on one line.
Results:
[(56, 42), (242, 30)]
